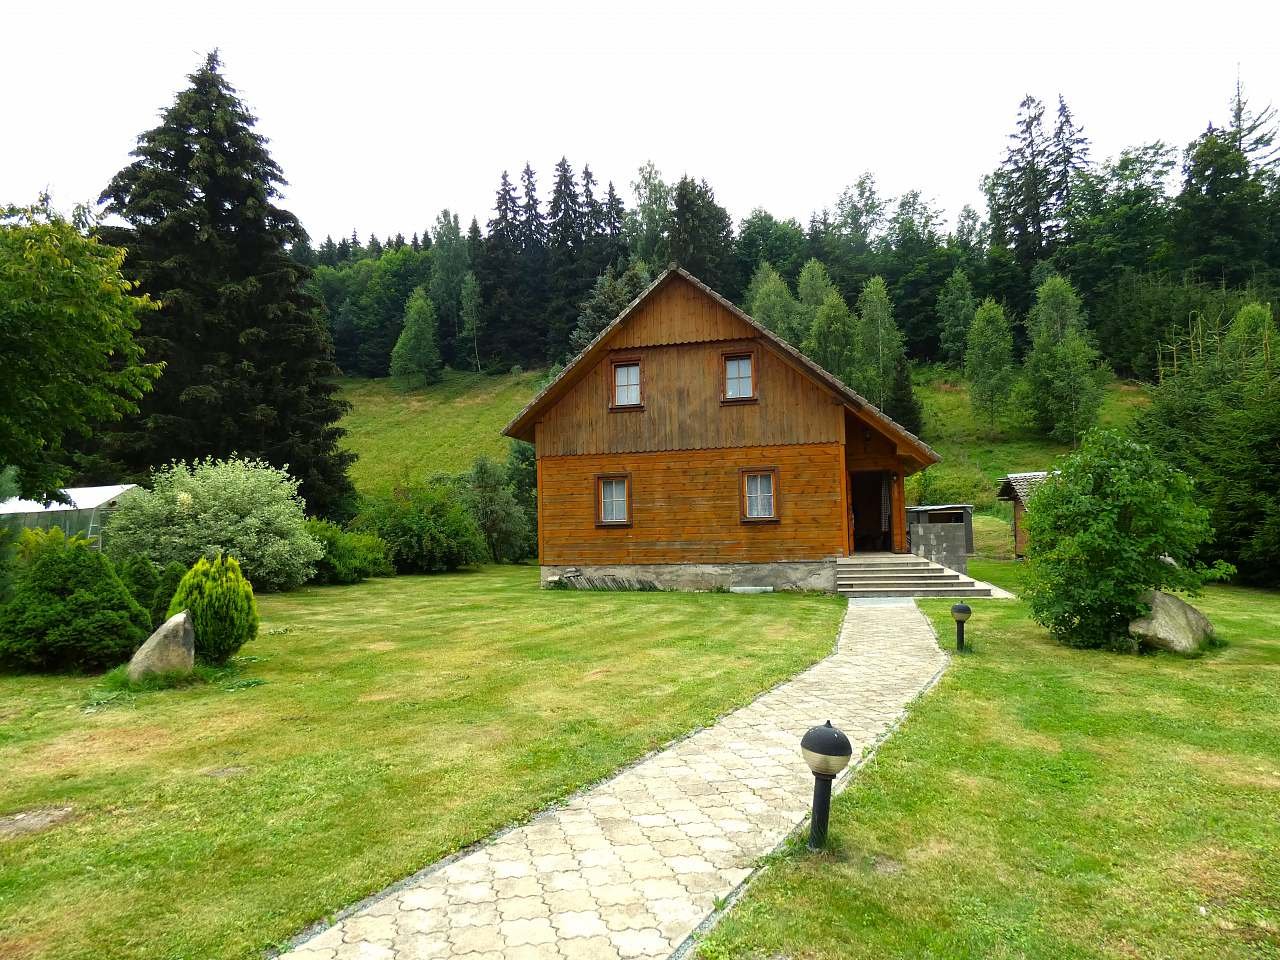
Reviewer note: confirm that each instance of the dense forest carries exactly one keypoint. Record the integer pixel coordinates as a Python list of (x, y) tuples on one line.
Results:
[(1150, 240), (202, 321)]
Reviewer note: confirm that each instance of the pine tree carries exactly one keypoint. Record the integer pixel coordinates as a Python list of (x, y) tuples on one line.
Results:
[(830, 340), (533, 289), (565, 250), (450, 261), (374, 249), (878, 343), (328, 254), (1068, 157), (472, 315), (1022, 190), (497, 270), (595, 238), (956, 307), (248, 358), (1062, 377), (612, 293), (769, 303), (302, 251), (413, 242), (902, 404), (417, 353), (1220, 223), (700, 236), (615, 218), (988, 361)]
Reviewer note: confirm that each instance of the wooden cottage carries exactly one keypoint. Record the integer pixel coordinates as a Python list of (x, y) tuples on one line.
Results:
[(690, 446), (1017, 488)]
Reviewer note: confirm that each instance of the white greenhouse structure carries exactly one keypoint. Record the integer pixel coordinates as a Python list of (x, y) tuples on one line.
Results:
[(86, 514)]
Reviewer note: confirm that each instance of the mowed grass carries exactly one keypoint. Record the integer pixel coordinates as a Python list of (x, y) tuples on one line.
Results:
[(1044, 802), (402, 433), (393, 723)]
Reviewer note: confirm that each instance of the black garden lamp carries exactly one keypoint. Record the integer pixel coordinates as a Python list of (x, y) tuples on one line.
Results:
[(827, 751), (961, 613)]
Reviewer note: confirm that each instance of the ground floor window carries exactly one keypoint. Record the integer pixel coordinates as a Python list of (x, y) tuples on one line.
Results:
[(613, 500), (759, 494)]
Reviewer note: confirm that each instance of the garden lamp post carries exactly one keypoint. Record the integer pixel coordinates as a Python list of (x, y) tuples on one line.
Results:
[(961, 613), (827, 751)]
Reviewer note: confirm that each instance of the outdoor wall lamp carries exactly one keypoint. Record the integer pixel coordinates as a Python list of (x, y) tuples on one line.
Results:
[(961, 613), (827, 751)]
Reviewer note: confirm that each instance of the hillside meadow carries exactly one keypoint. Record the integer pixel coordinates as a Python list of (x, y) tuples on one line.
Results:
[(401, 432)]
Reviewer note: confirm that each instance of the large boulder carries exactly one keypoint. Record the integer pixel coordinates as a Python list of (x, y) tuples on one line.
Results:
[(171, 649), (1172, 625)]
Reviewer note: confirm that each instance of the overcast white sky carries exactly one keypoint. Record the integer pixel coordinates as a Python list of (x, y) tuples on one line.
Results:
[(382, 113)]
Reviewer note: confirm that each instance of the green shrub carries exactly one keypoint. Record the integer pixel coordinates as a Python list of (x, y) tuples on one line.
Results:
[(1114, 523), (348, 557), (427, 528), (246, 508), (139, 576), (33, 543), (224, 614), (69, 611), (166, 587)]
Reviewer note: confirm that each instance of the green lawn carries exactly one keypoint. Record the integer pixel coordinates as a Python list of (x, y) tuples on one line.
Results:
[(1044, 802), (395, 722), (403, 434)]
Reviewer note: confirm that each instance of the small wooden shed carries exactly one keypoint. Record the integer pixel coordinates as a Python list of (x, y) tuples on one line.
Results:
[(1017, 488)]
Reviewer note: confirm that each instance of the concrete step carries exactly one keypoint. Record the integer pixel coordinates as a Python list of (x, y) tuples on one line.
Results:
[(905, 582), (972, 590), (842, 567), (922, 574), (904, 561)]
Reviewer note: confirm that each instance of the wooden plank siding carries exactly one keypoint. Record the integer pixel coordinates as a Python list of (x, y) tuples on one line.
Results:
[(685, 507), (681, 388)]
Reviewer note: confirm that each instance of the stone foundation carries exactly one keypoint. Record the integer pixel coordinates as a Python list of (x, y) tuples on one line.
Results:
[(783, 575)]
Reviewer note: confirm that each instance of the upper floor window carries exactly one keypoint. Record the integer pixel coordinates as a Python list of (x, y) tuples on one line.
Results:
[(626, 383), (760, 494), (739, 377)]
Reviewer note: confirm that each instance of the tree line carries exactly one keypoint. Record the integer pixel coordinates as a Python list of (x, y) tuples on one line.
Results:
[(232, 326)]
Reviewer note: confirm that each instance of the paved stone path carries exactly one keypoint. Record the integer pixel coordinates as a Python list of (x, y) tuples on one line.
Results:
[(632, 866)]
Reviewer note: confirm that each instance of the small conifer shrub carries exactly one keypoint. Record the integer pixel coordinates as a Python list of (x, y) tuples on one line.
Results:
[(224, 613)]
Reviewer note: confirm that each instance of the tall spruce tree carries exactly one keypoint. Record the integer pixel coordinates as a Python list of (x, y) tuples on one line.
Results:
[(498, 272), (612, 293), (615, 220), (1220, 218), (1023, 187), (533, 289), (1068, 158), (248, 359), (566, 252)]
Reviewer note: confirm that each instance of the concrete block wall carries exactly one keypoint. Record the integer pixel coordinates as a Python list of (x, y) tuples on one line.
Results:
[(942, 543)]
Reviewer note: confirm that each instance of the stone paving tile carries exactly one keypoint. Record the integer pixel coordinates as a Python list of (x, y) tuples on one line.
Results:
[(631, 867)]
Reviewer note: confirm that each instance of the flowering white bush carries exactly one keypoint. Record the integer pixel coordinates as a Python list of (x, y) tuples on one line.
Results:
[(246, 509)]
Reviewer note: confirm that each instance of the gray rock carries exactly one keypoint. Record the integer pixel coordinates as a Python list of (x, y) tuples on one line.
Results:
[(1172, 625), (171, 649)]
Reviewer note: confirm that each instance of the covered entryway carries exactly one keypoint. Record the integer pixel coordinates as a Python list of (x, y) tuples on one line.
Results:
[(871, 504)]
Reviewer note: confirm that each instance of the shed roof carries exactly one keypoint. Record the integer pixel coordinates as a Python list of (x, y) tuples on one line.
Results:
[(521, 426), (82, 498), (1018, 486)]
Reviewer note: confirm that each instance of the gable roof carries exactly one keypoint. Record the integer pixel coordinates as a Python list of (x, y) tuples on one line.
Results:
[(82, 498), (1019, 486), (521, 425)]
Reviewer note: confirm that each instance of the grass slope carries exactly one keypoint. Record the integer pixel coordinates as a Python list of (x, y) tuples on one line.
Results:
[(401, 433), (1045, 802), (973, 458), (393, 722)]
